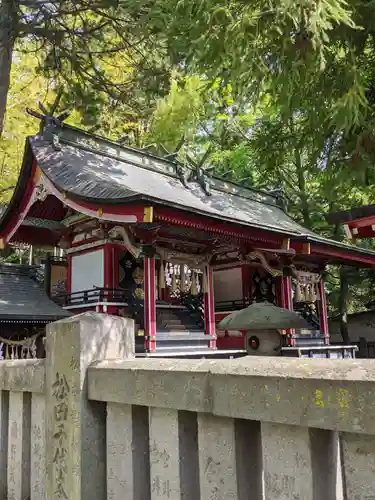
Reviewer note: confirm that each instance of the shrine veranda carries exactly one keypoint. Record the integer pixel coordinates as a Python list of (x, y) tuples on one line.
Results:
[(148, 238)]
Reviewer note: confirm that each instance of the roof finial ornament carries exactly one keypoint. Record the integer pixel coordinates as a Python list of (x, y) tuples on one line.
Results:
[(174, 158), (200, 174), (280, 195), (49, 124), (187, 169)]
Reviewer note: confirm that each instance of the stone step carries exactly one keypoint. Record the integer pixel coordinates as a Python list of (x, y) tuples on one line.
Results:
[(169, 317), (177, 320), (164, 335), (171, 320), (174, 327), (171, 324)]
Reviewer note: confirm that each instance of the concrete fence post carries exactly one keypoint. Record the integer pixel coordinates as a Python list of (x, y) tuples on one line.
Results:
[(75, 426), (358, 456)]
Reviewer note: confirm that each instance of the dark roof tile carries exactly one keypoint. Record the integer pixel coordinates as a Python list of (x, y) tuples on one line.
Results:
[(22, 298), (95, 169), (94, 176)]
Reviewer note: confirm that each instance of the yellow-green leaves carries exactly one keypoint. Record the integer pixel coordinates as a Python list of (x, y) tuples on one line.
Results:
[(179, 113), (350, 110)]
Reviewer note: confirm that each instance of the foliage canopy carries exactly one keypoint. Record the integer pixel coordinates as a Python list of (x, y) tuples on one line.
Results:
[(282, 92)]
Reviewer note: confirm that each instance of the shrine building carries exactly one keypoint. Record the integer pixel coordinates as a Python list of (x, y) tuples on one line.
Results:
[(164, 243), (358, 222)]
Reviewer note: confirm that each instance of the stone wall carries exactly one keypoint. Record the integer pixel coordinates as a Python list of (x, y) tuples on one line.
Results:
[(251, 428), (52, 438), (22, 429), (360, 324), (109, 428)]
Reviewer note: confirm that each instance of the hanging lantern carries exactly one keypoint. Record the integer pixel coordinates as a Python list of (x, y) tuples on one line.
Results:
[(174, 281), (193, 288), (182, 278), (205, 280), (313, 293), (309, 294), (299, 297), (161, 276)]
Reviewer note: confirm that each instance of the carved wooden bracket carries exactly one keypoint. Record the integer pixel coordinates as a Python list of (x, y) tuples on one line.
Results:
[(117, 231), (259, 256)]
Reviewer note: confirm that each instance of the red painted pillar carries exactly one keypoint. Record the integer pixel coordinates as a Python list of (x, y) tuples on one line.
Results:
[(246, 275), (116, 251), (111, 275), (323, 313), (108, 266), (209, 308), (68, 285), (286, 301), (149, 303), (109, 278)]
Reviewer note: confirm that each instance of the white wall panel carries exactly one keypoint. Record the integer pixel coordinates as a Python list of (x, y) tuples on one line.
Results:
[(87, 271), (228, 284)]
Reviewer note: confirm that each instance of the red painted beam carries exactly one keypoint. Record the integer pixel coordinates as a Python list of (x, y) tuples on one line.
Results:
[(239, 232), (136, 209), (363, 232), (365, 221), (300, 247), (330, 252), (341, 254)]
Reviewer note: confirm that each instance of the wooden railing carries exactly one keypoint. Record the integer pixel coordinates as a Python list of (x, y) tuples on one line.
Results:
[(231, 305), (92, 296)]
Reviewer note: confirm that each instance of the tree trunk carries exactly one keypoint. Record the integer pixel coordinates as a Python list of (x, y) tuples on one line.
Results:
[(8, 30), (344, 293)]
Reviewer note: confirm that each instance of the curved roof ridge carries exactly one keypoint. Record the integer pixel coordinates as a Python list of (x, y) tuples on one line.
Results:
[(71, 134)]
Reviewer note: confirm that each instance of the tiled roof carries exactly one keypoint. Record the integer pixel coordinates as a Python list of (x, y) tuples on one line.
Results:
[(22, 298), (97, 172)]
